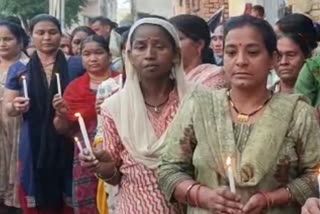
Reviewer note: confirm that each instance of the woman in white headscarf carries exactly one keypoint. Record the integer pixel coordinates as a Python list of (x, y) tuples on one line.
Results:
[(136, 118)]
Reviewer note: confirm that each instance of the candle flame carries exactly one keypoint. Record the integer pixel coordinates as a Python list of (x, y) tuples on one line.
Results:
[(76, 139), (23, 77), (229, 161), (77, 114)]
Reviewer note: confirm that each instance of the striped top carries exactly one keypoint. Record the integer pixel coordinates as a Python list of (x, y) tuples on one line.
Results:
[(139, 192), (209, 76)]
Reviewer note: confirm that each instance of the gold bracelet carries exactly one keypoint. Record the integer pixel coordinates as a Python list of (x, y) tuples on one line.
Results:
[(115, 171)]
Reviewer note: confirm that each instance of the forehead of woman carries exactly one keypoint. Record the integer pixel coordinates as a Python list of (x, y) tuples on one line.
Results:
[(80, 35), (95, 42), (7, 28), (45, 22), (15, 30), (259, 31), (147, 32), (244, 36), (82, 29), (286, 43)]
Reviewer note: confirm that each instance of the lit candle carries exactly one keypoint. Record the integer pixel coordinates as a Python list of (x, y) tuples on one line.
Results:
[(319, 181), (78, 144), (25, 89), (58, 84), (230, 175), (84, 132)]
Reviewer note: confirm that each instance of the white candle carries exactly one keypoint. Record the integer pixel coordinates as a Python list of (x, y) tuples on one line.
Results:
[(25, 88), (84, 132), (121, 81), (78, 144), (58, 84), (230, 175), (319, 181)]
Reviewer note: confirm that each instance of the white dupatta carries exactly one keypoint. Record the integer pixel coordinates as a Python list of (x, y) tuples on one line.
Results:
[(127, 107)]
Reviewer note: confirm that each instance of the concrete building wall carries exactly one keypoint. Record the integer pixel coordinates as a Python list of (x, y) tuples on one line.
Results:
[(236, 7), (155, 7)]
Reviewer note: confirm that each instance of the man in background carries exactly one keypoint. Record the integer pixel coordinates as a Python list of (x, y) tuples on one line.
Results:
[(258, 11), (102, 26)]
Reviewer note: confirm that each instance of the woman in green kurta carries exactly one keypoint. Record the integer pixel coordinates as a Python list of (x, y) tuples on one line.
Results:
[(272, 139), (308, 82)]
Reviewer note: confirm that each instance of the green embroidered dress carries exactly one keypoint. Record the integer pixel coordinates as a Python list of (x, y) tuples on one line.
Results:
[(280, 149)]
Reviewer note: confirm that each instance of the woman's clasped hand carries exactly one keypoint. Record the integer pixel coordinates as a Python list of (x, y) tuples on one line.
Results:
[(222, 201)]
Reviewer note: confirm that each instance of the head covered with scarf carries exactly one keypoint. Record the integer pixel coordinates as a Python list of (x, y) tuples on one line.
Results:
[(127, 107)]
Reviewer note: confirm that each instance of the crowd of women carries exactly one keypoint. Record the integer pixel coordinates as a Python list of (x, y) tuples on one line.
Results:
[(178, 119)]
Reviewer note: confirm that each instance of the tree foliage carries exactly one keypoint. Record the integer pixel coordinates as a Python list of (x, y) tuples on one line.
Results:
[(26, 9)]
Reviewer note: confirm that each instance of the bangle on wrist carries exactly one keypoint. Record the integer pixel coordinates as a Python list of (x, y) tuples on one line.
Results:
[(290, 197), (187, 196), (269, 200), (197, 202), (115, 171)]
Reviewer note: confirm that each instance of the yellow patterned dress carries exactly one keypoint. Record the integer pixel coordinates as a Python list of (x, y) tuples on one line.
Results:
[(9, 137)]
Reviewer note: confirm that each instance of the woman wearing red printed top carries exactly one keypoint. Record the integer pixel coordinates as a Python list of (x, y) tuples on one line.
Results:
[(136, 118), (80, 97)]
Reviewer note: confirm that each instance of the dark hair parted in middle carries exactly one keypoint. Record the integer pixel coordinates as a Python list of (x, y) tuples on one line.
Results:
[(100, 40), (17, 31), (84, 29), (44, 18), (197, 29), (301, 30), (262, 26), (13, 19)]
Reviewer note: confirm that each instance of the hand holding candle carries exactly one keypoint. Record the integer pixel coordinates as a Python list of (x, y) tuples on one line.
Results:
[(84, 132), (25, 88), (78, 144), (230, 175), (58, 84)]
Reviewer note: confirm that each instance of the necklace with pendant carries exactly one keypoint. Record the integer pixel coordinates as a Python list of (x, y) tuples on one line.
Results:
[(243, 117), (156, 108)]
